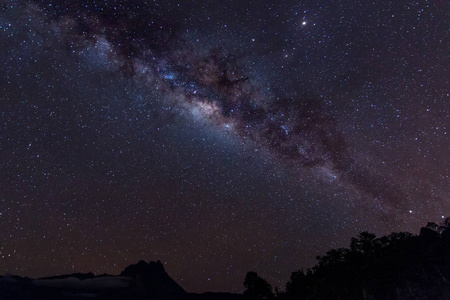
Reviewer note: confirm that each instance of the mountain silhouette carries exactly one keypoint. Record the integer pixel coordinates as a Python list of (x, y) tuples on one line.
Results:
[(138, 281), (150, 279)]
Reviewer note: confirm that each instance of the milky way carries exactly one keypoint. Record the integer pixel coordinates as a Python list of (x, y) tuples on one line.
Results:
[(174, 125), (294, 127)]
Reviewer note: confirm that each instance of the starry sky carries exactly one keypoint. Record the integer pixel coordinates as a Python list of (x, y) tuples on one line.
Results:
[(217, 136)]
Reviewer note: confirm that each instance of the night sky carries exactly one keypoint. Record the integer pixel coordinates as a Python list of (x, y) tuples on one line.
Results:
[(219, 137)]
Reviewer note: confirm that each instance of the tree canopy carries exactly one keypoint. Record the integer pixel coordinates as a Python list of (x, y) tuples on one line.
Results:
[(397, 266)]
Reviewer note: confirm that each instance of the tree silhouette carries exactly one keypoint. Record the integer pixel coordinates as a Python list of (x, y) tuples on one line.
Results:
[(257, 288), (365, 242), (299, 285), (396, 266)]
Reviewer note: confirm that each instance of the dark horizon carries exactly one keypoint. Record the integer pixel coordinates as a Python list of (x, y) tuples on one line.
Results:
[(220, 137), (400, 265)]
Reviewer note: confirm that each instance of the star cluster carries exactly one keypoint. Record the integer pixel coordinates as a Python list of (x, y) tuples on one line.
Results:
[(219, 137)]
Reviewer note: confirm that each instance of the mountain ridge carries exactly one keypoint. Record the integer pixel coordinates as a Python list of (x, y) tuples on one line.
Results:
[(137, 281)]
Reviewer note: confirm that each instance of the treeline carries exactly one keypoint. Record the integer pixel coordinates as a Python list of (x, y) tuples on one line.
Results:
[(396, 266)]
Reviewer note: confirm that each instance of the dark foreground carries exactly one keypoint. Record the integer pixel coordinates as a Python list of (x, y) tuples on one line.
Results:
[(400, 266), (140, 281)]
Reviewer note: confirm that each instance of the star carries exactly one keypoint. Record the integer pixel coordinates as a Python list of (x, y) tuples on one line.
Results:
[(147, 131)]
